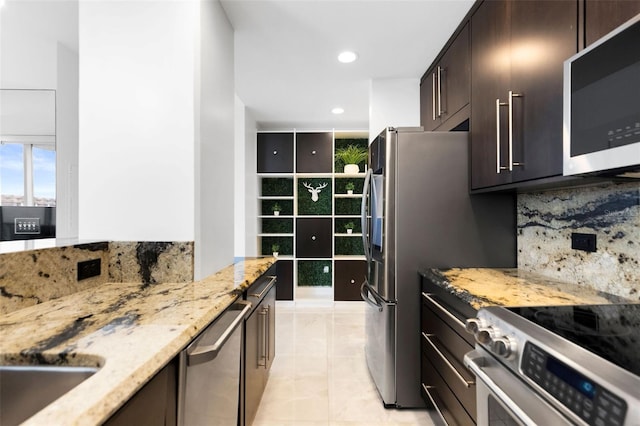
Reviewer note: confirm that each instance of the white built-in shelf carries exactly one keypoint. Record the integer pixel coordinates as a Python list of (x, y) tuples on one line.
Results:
[(275, 197), (313, 175), (267, 234), (272, 216), (276, 175), (354, 234), (348, 195), (350, 175), (349, 257), (347, 216)]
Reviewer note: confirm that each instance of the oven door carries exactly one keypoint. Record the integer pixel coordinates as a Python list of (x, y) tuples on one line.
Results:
[(502, 398)]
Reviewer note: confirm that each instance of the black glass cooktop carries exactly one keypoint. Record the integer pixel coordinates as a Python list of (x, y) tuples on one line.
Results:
[(611, 331)]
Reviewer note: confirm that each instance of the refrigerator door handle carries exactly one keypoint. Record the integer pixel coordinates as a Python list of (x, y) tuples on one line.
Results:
[(365, 291), (363, 215)]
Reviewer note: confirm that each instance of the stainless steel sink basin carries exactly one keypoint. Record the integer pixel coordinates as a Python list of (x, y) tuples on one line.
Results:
[(25, 390)]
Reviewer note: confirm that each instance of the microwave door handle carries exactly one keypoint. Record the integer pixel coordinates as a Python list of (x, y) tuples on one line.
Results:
[(366, 190)]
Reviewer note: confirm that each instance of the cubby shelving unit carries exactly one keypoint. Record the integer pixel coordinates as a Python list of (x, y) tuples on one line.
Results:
[(298, 170)]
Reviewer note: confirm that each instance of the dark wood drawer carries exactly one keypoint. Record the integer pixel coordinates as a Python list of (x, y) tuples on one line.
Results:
[(453, 316), (348, 276), (435, 391), (433, 324), (457, 378), (314, 152)]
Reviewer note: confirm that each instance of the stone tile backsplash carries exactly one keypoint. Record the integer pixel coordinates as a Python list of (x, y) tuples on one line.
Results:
[(611, 212), (35, 276)]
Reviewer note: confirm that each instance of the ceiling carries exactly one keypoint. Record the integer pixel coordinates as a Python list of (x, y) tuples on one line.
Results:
[(287, 73)]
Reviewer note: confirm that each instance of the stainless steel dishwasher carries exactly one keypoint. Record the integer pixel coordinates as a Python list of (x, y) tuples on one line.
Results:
[(209, 372)]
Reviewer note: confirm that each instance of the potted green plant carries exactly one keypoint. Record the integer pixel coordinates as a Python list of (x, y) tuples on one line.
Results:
[(351, 156), (274, 249), (349, 227), (276, 209), (349, 186)]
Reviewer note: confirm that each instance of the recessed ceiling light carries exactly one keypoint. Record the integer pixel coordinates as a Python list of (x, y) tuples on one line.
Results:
[(347, 57), (337, 110)]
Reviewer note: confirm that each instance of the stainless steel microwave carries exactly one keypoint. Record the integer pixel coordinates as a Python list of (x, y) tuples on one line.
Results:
[(601, 120)]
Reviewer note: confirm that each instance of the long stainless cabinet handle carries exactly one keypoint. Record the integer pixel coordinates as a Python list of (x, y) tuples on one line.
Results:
[(267, 328), (433, 96), (439, 91), (207, 353), (442, 308), (510, 103), (262, 357), (465, 382), (266, 288), (499, 166)]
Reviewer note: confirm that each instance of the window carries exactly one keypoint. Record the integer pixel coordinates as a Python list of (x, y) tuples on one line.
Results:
[(27, 175)]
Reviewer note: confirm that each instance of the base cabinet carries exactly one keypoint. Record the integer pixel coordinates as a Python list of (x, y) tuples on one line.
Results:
[(153, 405), (260, 343), (348, 276), (446, 383)]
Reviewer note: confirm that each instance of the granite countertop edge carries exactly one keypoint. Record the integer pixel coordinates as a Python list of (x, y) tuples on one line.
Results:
[(482, 287), (129, 330)]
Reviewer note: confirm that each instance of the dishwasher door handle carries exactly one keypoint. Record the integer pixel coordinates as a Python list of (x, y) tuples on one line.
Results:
[(202, 354)]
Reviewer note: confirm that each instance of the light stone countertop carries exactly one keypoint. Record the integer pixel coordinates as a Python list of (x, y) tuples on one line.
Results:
[(129, 330), (481, 287)]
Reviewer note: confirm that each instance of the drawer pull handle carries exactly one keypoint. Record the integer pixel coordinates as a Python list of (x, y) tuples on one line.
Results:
[(353, 281), (465, 382), (275, 152), (313, 152), (313, 237), (443, 309), (272, 279), (433, 402)]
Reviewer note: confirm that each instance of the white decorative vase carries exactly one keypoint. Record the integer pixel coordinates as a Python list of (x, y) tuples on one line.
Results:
[(351, 168), (349, 231), (276, 213), (275, 254), (350, 192)]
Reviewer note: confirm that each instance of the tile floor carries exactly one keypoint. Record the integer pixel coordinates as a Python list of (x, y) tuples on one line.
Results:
[(319, 376)]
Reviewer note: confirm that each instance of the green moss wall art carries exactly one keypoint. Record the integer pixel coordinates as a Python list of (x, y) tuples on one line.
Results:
[(314, 196), (314, 273)]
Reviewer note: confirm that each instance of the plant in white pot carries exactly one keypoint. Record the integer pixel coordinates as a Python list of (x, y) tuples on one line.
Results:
[(349, 227), (276, 209), (274, 249), (349, 186), (351, 156)]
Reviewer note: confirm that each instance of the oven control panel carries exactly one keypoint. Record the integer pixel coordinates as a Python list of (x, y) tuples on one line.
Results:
[(585, 398)]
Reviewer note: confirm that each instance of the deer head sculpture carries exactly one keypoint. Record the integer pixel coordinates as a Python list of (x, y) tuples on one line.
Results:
[(314, 191)]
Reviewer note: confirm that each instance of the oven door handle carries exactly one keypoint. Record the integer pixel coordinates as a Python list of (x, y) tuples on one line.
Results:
[(474, 360)]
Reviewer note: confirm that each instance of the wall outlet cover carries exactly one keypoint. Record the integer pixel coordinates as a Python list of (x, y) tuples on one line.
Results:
[(584, 242), (88, 269)]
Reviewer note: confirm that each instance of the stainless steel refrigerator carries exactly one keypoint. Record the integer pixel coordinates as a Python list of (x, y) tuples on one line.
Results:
[(417, 213)]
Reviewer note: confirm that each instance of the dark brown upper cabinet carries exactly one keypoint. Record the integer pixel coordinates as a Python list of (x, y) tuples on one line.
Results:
[(314, 152), (444, 89), (275, 152), (517, 54), (601, 17)]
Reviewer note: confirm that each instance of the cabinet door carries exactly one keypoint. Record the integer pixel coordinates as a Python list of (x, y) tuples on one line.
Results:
[(602, 17), (275, 153), (543, 35), (455, 77), (313, 237), (489, 82), (428, 88), (348, 276), (284, 284), (314, 152)]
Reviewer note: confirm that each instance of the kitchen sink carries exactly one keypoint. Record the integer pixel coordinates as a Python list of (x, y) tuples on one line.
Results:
[(27, 389)]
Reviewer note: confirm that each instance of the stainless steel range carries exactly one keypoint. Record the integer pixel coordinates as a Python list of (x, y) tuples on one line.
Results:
[(557, 365)]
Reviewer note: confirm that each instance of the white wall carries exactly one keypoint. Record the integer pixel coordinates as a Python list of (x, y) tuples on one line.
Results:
[(245, 182), (393, 102), (214, 165), (136, 159), (67, 144)]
